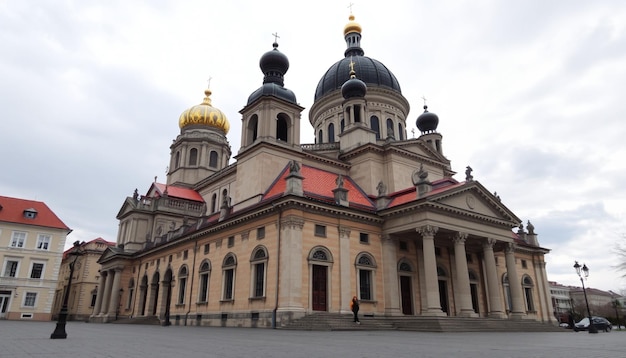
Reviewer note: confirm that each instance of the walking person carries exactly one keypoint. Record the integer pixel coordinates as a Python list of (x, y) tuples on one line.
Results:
[(354, 306)]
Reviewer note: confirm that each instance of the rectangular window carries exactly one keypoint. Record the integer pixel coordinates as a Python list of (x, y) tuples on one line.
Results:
[(229, 280), (10, 269), (260, 233), (468, 258), (18, 239), (404, 246), (185, 254), (365, 284), (231, 241), (524, 265), (364, 238), (207, 247), (438, 251), (182, 283), (37, 270), (204, 287), (320, 230), (93, 300), (29, 299), (259, 280), (43, 241)]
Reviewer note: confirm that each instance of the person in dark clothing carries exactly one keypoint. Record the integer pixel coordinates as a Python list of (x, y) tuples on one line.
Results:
[(354, 306)]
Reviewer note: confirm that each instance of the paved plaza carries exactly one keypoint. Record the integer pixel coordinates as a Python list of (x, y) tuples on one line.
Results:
[(85, 340)]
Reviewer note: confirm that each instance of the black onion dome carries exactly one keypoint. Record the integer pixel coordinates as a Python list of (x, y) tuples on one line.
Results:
[(427, 122), (353, 87), (274, 65)]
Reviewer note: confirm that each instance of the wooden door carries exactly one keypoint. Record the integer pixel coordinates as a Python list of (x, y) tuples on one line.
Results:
[(319, 287), (405, 294)]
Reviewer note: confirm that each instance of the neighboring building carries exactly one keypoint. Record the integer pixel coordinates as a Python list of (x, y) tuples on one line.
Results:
[(82, 296), (292, 229), (561, 301), (32, 238)]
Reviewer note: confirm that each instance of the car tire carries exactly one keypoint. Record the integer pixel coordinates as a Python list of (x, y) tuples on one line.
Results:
[(607, 329)]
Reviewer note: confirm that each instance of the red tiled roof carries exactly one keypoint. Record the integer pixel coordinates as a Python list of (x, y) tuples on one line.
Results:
[(178, 192), (319, 184), (12, 210), (100, 240)]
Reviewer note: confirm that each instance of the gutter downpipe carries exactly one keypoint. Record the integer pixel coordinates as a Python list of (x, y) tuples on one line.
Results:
[(193, 272), (280, 214)]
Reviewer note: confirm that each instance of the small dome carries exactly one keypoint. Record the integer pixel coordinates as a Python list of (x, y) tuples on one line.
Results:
[(274, 65), (272, 89), (427, 122), (352, 26), (353, 87), (204, 115)]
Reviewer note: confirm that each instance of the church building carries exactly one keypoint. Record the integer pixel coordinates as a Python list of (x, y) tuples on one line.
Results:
[(288, 229)]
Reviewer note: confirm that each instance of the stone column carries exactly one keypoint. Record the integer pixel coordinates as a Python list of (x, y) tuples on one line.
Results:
[(517, 296), (98, 305), (290, 298), (465, 308), (107, 293), (433, 305), (344, 269), (390, 278), (115, 293), (493, 284)]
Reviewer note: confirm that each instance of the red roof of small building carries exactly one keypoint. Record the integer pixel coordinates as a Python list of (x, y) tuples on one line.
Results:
[(177, 192), (12, 211), (407, 195), (319, 184)]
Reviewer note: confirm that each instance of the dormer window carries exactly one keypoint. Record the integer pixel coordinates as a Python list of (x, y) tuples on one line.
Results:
[(30, 213)]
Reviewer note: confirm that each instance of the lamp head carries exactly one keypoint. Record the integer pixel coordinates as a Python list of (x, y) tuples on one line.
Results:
[(585, 270), (577, 267)]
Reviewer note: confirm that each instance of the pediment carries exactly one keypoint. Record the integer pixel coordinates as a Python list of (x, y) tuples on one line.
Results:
[(112, 253), (128, 206), (472, 199)]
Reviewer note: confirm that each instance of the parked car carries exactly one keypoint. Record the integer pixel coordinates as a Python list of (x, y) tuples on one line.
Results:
[(601, 323)]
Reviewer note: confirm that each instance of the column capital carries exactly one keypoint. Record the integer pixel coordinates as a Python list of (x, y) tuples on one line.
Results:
[(459, 237), (427, 230), (293, 222), (510, 248), (344, 231), (489, 243)]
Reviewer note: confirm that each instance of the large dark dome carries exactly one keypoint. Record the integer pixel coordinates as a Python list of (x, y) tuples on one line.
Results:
[(274, 65), (370, 71)]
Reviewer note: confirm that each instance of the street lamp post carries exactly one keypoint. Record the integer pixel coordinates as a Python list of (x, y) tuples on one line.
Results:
[(585, 274), (59, 331)]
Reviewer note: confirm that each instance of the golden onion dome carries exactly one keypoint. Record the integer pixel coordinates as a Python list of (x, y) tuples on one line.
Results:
[(204, 114), (351, 26)]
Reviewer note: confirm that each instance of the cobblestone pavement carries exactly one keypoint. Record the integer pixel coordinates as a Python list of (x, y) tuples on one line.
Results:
[(85, 340)]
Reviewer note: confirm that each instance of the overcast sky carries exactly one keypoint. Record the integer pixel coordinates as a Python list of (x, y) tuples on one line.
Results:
[(529, 93)]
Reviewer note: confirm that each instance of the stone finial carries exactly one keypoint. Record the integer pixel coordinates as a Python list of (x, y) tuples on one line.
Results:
[(468, 174), (531, 228), (520, 230), (294, 167), (339, 181)]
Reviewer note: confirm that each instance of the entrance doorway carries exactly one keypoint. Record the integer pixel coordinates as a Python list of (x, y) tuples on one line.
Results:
[(320, 280), (443, 296), (405, 295), (5, 297)]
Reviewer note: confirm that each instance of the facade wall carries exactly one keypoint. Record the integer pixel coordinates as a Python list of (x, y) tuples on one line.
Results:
[(19, 287)]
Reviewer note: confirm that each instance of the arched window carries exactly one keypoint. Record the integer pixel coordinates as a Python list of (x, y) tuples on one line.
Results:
[(258, 269), (375, 126), (507, 292), (400, 131), (331, 133), (177, 160), (205, 272), (527, 284), (182, 285), (228, 277), (282, 128), (405, 267), (131, 292), (390, 133), (193, 156), (253, 128), (213, 202), (366, 267), (320, 137), (213, 159)]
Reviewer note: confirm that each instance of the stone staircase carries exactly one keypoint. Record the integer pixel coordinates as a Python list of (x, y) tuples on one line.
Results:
[(148, 320), (324, 321)]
